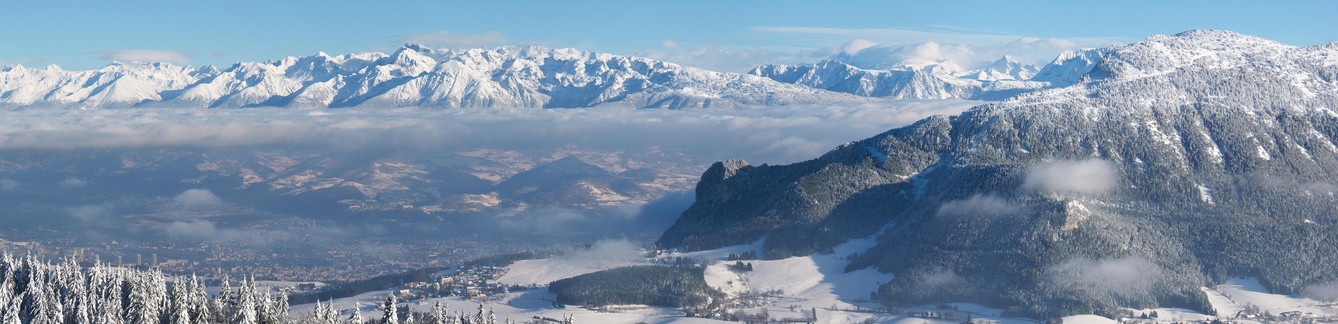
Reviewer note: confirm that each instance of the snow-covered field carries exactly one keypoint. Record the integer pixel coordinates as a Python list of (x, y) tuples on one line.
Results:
[(798, 287), (1238, 293)]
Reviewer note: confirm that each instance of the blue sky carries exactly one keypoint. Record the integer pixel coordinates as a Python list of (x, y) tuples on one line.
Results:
[(722, 35)]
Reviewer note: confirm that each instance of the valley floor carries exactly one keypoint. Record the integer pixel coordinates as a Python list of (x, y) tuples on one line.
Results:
[(798, 288)]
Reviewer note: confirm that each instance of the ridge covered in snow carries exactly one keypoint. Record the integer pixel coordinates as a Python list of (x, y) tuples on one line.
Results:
[(412, 76), (941, 79), (1155, 144)]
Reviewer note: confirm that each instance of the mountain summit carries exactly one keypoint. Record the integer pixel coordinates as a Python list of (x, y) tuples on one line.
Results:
[(1184, 159)]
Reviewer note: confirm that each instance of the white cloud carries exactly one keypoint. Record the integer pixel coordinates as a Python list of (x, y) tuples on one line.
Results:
[(607, 250), (855, 46), (1127, 277), (1037, 51), (731, 58), (1069, 176), (208, 231), (871, 48), (145, 56), (966, 48), (668, 43), (451, 40), (1320, 187), (90, 213), (910, 36), (1326, 291), (8, 185), (936, 280), (874, 56), (197, 198), (73, 182), (976, 206)]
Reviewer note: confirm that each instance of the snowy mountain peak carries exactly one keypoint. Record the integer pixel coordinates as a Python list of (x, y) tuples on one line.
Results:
[(1005, 68), (1070, 66)]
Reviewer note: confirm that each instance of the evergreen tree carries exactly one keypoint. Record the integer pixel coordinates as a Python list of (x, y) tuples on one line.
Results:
[(180, 307), (390, 314), (223, 301), (440, 314), (356, 318), (281, 309), (246, 304)]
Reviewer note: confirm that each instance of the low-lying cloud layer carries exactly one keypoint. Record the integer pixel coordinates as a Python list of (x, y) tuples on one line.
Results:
[(197, 198), (767, 135), (1126, 278), (1326, 291), (1069, 176), (208, 231), (977, 206), (90, 213), (609, 250), (8, 185)]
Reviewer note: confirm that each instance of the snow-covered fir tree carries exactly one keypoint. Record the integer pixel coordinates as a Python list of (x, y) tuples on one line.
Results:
[(391, 313)]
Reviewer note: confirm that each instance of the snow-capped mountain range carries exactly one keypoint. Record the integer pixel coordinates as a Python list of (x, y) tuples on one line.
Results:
[(934, 79), (519, 76), (412, 76)]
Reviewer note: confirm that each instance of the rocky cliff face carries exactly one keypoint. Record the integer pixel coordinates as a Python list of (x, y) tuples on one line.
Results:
[(1175, 162)]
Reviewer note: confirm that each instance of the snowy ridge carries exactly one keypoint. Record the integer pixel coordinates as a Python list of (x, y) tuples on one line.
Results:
[(1157, 55), (116, 85), (934, 79), (1006, 68), (1307, 71), (1069, 66), (940, 79), (1173, 123), (412, 76)]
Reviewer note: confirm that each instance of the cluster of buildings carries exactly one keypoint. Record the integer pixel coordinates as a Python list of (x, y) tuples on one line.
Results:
[(476, 282)]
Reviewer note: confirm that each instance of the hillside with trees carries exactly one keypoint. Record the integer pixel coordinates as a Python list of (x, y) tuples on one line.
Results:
[(637, 285)]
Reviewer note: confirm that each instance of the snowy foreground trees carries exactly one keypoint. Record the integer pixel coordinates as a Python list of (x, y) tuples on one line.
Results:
[(35, 292)]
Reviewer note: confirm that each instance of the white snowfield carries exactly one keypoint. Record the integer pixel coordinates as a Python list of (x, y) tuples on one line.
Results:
[(818, 277)]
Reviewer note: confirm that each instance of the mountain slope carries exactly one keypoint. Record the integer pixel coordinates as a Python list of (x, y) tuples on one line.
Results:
[(412, 76), (569, 181), (1179, 161)]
